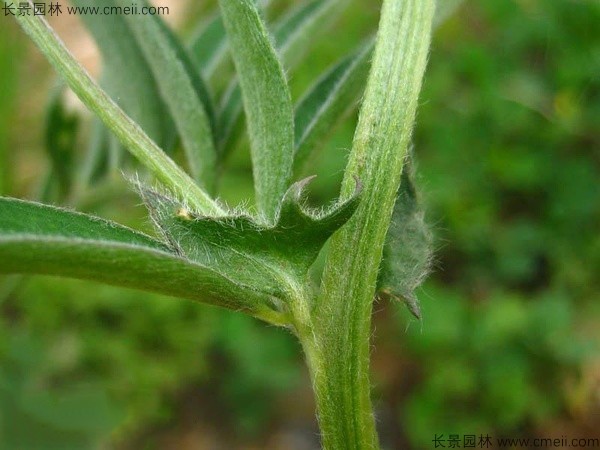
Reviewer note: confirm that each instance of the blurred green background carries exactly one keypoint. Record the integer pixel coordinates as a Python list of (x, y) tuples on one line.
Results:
[(508, 150)]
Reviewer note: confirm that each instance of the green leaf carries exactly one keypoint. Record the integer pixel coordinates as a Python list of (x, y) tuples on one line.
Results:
[(267, 102), (123, 61), (182, 90), (408, 249), (325, 104), (208, 46), (273, 258), (186, 60), (210, 50), (41, 239), (328, 100), (36, 415), (229, 119), (61, 141), (128, 132), (293, 34)]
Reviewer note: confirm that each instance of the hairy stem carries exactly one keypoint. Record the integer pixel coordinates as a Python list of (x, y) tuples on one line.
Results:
[(338, 349), (128, 132)]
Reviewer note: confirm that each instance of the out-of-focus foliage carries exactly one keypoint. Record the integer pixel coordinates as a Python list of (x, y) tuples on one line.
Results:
[(513, 104), (492, 367), (145, 350), (36, 415), (508, 150), (507, 146)]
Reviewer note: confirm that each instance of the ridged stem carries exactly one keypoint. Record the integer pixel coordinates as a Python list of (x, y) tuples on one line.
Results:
[(338, 348)]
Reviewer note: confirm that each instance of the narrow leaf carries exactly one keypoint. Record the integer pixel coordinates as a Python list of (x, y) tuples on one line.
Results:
[(409, 246), (182, 90), (267, 102), (128, 132), (40, 239), (326, 103), (123, 62), (328, 100), (229, 119), (293, 34), (209, 46), (185, 58)]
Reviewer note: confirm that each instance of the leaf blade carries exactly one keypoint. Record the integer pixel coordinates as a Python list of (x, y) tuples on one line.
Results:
[(275, 258), (40, 239), (209, 46), (123, 61), (408, 248), (267, 102), (293, 36), (128, 132), (294, 33), (328, 100), (183, 92), (342, 84)]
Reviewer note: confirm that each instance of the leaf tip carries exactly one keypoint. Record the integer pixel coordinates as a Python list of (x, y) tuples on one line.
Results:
[(298, 188), (409, 299)]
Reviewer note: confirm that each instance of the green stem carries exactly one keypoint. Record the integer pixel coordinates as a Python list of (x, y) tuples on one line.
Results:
[(128, 132), (338, 348)]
